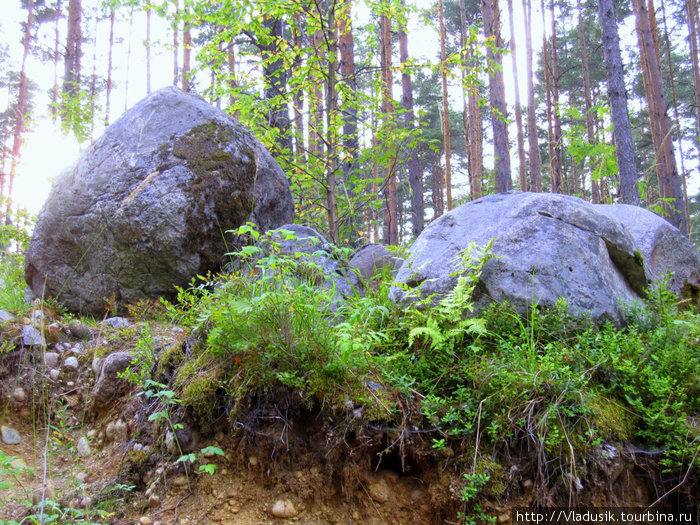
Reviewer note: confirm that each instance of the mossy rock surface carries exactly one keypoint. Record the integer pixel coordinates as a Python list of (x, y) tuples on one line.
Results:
[(148, 205)]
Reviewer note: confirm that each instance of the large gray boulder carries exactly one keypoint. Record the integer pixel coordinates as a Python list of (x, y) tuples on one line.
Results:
[(549, 247), (146, 206), (664, 248)]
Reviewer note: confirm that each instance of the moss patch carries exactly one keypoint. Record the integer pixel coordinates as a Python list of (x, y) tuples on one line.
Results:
[(222, 186), (610, 418)]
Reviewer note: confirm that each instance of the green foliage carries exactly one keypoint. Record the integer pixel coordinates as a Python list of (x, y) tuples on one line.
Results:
[(12, 284)]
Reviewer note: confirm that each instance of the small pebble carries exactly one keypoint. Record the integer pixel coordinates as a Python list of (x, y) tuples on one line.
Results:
[(145, 520), (9, 435), (19, 395), (283, 509), (83, 447), (71, 362), (54, 374)]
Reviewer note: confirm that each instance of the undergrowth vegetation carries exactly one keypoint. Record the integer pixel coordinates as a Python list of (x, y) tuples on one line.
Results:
[(490, 379)]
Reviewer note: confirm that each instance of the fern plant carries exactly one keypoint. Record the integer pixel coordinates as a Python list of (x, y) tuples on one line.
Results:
[(451, 319)]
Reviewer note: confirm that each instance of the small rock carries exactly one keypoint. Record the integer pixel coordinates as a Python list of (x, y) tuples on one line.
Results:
[(116, 322), (31, 336), (527, 484), (145, 520), (54, 373), (75, 350), (137, 446), (153, 500), (61, 347), (81, 476), (19, 395), (36, 316), (70, 384), (9, 435), (83, 447), (54, 331), (79, 330), (504, 518), (379, 491), (50, 360), (219, 436), (6, 316), (97, 366), (283, 509), (117, 431), (180, 481), (252, 460), (71, 362)]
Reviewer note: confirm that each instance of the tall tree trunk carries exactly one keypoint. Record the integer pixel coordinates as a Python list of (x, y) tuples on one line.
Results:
[(21, 103), (553, 169), (276, 84), (558, 154), (588, 103), (617, 94), (186, 48), (176, 44), (522, 168), (71, 75), (676, 114), (315, 98), (693, 24), (56, 56), (535, 161), (331, 124), (298, 97), (669, 181), (128, 59), (351, 144), (109, 66), (476, 143), (148, 48), (437, 180), (499, 111), (414, 173), (391, 232), (445, 106), (93, 78)]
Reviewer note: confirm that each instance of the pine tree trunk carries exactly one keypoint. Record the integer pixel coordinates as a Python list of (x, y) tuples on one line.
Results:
[(553, 171), (21, 102), (535, 161), (56, 56), (617, 95), (669, 181), (186, 50), (297, 42), (558, 135), (499, 111), (93, 80), (109, 67), (676, 114), (351, 144), (414, 173), (522, 168), (390, 198), (71, 75), (176, 44), (588, 103), (275, 83), (445, 106), (693, 24), (331, 112)]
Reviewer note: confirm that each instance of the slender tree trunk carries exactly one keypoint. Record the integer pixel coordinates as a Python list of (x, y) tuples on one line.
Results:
[(414, 174), (276, 84), (351, 144), (186, 49), (617, 94), (438, 180), (56, 56), (522, 168), (21, 102), (93, 79), (476, 143), (535, 161), (499, 111), (553, 169), (588, 103), (71, 76), (109, 66), (298, 97), (676, 114), (316, 105), (148, 48), (669, 181), (391, 232), (558, 154), (693, 24), (445, 106), (176, 44)]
